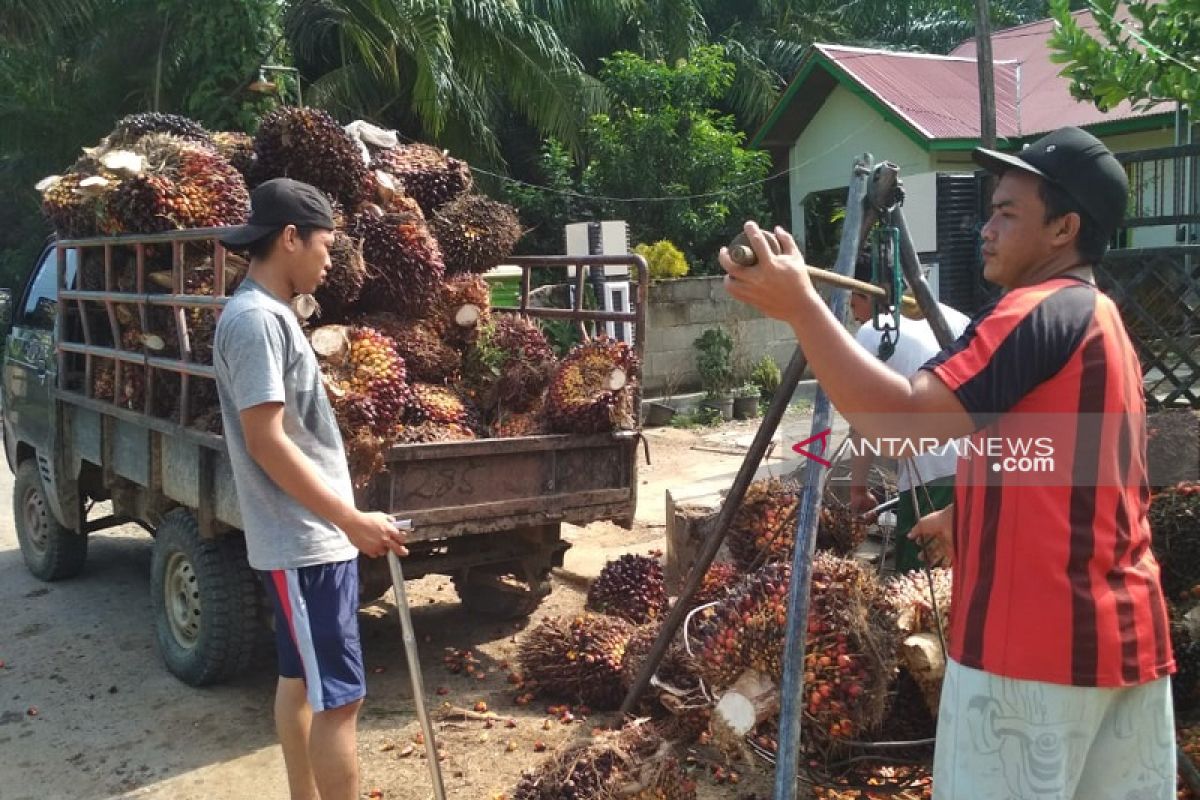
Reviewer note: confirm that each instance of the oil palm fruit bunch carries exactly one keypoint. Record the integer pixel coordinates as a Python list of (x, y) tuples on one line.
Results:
[(630, 587), (764, 527), (364, 454), (908, 597), (365, 376), (577, 658), (428, 431), (633, 763), (425, 173), (745, 629), (238, 149), (71, 213), (133, 127), (462, 309), (440, 405), (404, 264), (511, 426), (104, 384), (592, 391), (1174, 518), (676, 700), (509, 366), (476, 233), (344, 280), (720, 576), (427, 357), (838, 528), (307, 144)]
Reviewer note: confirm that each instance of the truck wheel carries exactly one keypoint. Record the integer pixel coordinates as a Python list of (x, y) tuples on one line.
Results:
[(487, 595), (205, 601), (51, 551)]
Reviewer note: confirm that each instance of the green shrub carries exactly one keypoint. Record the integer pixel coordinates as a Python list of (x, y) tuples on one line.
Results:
[(714, 361), (766, 376), (664, 259)]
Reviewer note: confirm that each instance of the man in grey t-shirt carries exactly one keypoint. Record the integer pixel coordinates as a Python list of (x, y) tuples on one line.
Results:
[(303, 533)]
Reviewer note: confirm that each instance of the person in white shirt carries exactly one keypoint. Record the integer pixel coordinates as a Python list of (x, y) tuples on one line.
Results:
[(913, 344)]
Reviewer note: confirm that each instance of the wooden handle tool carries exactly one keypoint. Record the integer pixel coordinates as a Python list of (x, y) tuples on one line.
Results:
[(743, 255)]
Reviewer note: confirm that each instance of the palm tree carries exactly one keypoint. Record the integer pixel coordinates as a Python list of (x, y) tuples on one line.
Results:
[(441, 70)]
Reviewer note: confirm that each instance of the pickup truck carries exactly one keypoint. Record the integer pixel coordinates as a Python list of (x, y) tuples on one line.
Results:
[(488, 513)]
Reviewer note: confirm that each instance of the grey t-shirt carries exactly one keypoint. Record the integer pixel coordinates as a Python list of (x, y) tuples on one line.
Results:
[(261, 356)]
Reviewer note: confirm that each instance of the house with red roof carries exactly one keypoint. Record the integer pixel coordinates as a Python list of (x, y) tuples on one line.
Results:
[(921, 112)]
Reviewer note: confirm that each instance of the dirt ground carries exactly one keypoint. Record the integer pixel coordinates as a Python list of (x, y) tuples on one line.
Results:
[(88, 711)]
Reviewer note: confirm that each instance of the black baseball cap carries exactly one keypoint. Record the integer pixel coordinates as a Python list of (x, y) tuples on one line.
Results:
[(1079, 164), (277, 203)]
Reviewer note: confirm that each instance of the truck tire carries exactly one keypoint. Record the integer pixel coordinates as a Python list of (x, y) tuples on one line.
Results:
[(482, 593), (51, 551), (205, 599)]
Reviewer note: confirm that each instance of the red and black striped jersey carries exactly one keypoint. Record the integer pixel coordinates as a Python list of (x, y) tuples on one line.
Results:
[(1053, 575)]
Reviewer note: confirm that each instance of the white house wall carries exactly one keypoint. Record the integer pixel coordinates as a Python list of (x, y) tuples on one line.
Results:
[(843, 129)]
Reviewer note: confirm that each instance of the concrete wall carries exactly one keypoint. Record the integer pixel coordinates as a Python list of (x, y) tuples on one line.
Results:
[(680, 310)]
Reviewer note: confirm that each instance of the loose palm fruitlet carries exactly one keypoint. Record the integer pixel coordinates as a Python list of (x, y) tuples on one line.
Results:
[(630, 587), (764, 528), (133, 127), (476, 233), (404, 264), (1174, 519), (850, 654), (344, 280), (592, 391), (425, 173), (509, 366), (427, 357), (307, 144), (578, 658), (633, 763)]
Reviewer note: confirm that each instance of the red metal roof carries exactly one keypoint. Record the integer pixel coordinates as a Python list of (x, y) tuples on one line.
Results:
[(939, 95)]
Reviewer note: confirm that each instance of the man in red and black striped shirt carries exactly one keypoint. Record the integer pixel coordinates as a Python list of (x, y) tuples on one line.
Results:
[(1057, 685)]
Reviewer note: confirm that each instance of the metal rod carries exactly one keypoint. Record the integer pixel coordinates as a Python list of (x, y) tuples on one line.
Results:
[(791, 690), (414, 673)]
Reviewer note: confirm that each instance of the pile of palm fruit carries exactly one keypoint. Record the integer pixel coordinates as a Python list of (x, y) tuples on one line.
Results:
[(763, 529), (632, 588), (578, 658), (633, 763), (402, 323)]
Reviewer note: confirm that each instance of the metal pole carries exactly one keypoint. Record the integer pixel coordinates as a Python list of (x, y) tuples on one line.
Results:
[(414, 673), (865, 217), (791, 690)]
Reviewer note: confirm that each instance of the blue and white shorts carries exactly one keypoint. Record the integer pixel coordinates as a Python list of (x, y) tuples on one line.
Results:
[(316, 631)]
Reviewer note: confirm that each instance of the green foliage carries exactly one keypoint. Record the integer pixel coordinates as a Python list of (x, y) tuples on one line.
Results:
[(714, 361), (549, 205), (1154, 57), (766, 376), (664, 260), (699, 417)]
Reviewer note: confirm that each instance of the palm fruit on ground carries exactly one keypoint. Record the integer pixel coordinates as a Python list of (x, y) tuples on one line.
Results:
[(1174, 518), (238, 150), (344, 280), (462, 309), (592, 391), (675, 700), (633, 763), (425, 173), (404, 264), (508, 368), (427, 357), (838, 528), (908, 597), (577, 658), (630, 587), (440, 405), (307, 144), (476, 233), (850, 653), (764, 528), (720, 576), (133, 127)]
